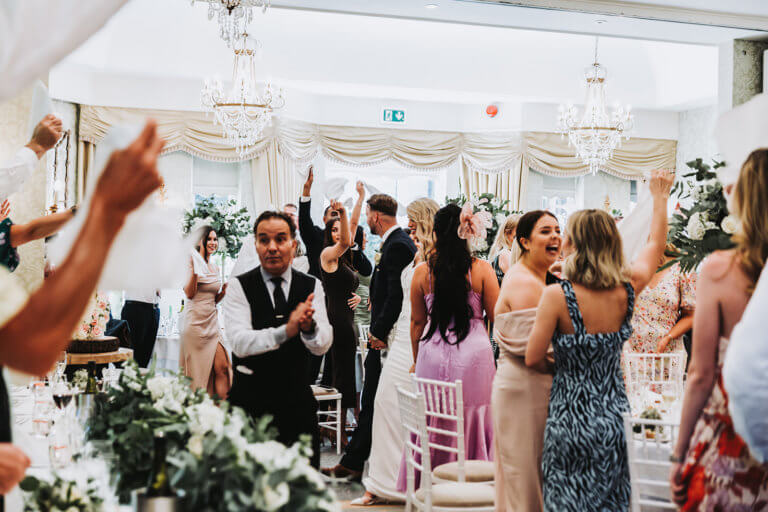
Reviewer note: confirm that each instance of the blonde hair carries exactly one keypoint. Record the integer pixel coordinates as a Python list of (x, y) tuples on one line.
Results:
[(501, 241), (597, 261), (750, 195), (422, 212)]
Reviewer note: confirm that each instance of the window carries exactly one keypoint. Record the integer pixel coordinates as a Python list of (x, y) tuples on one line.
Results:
[(558, 195)]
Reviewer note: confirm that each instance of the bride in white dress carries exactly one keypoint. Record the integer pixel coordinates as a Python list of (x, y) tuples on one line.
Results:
[(388, 443)]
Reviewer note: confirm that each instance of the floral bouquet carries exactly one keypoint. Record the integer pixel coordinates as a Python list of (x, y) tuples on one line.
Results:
[(60, 495), (94, 323), (231, 223), (498, 212), (217, 457), (706, 226)]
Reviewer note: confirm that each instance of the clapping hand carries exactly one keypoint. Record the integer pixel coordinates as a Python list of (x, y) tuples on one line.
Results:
[(302, 318), (354, 301)]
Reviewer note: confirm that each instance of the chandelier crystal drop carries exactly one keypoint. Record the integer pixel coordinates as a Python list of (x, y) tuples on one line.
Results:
[(233, 16), (596, 133), (246, 108)]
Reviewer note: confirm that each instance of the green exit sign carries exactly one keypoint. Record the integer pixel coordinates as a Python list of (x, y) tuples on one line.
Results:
[(393, 116)]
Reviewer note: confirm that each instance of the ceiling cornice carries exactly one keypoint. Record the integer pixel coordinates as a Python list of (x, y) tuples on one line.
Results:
[(645, 11)]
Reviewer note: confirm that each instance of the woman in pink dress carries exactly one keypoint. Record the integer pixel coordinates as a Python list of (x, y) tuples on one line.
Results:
[(203, 357), (449, 294)]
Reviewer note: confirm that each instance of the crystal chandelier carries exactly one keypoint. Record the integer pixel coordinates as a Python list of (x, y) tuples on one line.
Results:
[(233, 16), (595, 134), (246, 109)]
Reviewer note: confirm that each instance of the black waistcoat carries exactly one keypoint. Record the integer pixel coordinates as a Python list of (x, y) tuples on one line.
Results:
[(280, 377)]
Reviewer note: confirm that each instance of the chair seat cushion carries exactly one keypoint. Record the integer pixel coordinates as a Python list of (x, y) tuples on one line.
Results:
[(320, 391), (460, 495), (475, 471)]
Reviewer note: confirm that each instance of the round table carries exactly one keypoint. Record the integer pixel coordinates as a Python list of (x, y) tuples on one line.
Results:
[(122, 354)]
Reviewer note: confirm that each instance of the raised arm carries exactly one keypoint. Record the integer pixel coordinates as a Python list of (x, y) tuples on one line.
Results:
[(355, 217), (647, 262), (40, 227), (32, 340), (329, 258), (305, 208)]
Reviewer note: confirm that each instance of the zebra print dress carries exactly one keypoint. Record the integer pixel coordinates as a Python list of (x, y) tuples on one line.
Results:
[(585, 454)]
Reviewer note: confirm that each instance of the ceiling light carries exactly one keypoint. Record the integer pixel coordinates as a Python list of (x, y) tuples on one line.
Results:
[(431, 6), (601, 21)]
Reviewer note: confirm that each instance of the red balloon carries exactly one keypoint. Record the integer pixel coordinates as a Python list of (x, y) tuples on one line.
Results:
[(492, 110)]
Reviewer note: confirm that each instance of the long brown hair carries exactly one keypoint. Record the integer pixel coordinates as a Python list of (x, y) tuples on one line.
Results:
[(750, 196)]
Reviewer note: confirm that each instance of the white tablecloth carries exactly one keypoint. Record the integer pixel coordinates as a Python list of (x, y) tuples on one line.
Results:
[(167, 350)]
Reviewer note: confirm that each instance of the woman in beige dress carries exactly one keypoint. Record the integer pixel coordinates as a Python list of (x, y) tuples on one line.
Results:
[(203, 357), (520, 394)]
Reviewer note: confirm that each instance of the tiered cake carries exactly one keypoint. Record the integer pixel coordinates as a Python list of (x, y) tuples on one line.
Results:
[(89, 336)]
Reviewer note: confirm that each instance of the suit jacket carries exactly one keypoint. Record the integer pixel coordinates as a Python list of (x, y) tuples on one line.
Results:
[(386, 292), (312, 235)]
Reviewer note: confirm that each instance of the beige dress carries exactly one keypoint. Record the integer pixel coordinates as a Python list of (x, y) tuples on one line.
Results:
[(200, 334), (519, 402)]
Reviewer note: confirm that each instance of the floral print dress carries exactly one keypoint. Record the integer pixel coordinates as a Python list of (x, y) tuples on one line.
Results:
[(658, 309), (720, 471), (9, 257)]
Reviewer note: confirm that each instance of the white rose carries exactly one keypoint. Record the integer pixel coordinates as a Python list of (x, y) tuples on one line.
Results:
[(695, 227), (222, 245), (158, 386), (276, 497), (730, 224), (500, 220), (195, 446), (205, 418)]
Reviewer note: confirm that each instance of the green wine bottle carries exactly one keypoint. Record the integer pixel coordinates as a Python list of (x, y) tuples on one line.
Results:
[(92, 387), (159, 483)]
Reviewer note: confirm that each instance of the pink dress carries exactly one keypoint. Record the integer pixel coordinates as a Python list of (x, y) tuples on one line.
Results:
[(658, 309), (470, 361)]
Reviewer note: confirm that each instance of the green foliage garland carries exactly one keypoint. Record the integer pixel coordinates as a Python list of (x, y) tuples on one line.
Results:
[(231, 223), (498, 210)]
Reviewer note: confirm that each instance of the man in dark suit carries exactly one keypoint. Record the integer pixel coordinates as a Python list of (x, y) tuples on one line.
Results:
[(275, 319), (386, 298), (312, 236)]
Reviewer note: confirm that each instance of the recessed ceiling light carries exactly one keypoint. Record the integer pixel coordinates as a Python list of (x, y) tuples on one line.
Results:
[(601, 21), (431, 6)]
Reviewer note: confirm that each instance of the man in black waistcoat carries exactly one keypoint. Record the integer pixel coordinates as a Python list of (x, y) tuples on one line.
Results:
[(386, 298), (275, 319)]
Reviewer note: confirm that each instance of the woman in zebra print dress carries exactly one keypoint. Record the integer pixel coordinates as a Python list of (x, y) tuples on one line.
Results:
[(587, 320)]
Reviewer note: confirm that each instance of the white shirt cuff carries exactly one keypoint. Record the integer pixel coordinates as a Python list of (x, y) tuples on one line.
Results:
[(304, 199), (280, 335), (28, 156)]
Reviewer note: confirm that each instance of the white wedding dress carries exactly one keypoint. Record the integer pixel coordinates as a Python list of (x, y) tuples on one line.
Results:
[(388, 441)]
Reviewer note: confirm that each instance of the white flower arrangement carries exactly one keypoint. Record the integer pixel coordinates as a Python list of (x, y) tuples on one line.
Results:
[(696, 227), (61, 495), (730, 224)]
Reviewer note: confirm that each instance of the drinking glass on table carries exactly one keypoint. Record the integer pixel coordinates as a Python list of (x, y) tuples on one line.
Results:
[(41, 411)]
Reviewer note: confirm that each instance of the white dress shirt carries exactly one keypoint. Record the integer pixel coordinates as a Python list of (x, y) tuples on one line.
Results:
[(143, 295), (388, 232), (16, 171), (246, 341), (745, 373)]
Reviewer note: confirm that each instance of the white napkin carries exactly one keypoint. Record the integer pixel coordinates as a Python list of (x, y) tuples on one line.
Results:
[(738, 133), (41, 107), (247, 258), (149, 251), (334, 187), (636, 226), (374, 190), (199, 266)]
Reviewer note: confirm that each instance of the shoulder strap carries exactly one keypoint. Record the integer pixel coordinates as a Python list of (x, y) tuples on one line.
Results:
[(627, 324), (573, 307)]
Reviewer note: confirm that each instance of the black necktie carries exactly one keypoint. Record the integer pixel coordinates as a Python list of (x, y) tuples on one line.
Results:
[(281, 305)]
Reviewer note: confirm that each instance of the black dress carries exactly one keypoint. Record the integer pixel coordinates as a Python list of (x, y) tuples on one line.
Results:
[(339, 287)]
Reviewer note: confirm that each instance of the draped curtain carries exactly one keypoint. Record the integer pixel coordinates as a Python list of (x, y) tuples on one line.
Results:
[(489, 162), (85, 151)]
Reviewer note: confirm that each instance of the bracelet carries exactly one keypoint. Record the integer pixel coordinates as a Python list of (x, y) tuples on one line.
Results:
[(676, 459)]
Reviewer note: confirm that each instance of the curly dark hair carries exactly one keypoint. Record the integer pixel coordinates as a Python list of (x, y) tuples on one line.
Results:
[(449, 263)]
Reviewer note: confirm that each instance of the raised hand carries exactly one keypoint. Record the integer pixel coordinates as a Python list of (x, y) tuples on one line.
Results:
[(46, 134), (360, 189), (308, 183), (131, 174), (339, 207), (661, 182)]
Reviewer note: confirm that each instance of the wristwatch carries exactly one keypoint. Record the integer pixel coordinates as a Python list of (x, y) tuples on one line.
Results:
[(676, 459)]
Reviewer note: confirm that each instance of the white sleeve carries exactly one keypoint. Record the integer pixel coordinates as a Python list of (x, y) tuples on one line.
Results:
[(744, 373), (304, 199), (16, 171), (243, 339), (319, 341), (37, 34)]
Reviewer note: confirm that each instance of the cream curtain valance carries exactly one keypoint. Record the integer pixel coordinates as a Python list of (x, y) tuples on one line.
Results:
[(299, 142)]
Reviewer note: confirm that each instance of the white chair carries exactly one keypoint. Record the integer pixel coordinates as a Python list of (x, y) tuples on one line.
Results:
[(659, 373), (437, 497), (362, 341), (649, 444), (445, 401), (330, 419)]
